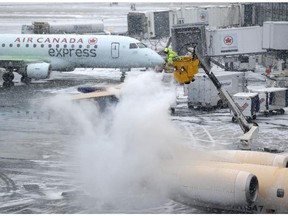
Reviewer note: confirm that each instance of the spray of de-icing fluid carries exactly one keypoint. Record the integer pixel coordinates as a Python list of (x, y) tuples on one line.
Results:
[(119, 150)]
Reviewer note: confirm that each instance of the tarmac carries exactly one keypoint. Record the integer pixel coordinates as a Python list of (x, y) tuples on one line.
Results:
[(39, 161)]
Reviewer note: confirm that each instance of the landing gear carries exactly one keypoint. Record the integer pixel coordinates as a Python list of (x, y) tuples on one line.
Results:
[(123, 75), (8, 79), (122, 78), (26, 80), (8, 84)]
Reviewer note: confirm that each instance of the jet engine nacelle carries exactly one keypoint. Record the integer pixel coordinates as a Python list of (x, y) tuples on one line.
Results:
[(252, 157), (273, 186), (214, 188), (38, 70)]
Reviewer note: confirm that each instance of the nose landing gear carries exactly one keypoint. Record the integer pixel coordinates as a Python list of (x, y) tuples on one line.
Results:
[(123, 75)]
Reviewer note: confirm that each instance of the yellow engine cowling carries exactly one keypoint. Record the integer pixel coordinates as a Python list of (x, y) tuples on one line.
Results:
[(273, 185), (253, 157), (213, 187), (185, 67)]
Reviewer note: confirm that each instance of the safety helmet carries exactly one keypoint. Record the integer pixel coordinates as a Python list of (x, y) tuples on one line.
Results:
[(166, 50)]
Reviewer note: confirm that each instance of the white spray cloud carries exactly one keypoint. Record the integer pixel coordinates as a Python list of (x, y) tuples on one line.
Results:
[(119, 149)]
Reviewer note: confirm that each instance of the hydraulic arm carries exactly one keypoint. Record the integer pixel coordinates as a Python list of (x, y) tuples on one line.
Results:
[(250, 130)]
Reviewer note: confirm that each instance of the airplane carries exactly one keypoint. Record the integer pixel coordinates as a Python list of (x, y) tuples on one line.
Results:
[(34, 56), (227, 181)]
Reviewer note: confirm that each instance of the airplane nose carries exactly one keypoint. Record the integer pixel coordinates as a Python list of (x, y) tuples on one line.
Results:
[(157, 59), (160, 60)]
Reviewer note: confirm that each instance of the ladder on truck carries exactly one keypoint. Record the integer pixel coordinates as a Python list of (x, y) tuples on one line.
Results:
[(184, 71)]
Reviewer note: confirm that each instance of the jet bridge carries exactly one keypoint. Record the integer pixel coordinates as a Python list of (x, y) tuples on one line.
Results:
[(230, 48)]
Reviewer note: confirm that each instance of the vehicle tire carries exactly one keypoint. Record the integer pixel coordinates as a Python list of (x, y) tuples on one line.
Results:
[(281, 111), (172, 110), (249, 119), (8, 84), (190, 106), (26, 80), (8, 77)]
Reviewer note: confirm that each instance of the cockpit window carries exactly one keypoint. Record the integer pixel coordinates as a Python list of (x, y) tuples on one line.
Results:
[(141, 45), (133, 46)]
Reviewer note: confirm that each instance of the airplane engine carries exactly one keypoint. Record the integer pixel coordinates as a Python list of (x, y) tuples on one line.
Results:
[(38, 70), (273, 185), (215, 188), (252, 157)]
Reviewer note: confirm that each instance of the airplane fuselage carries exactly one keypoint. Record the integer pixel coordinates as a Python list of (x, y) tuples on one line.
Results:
[(67, 52)]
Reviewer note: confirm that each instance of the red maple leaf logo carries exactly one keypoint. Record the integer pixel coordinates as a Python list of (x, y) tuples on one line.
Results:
[(92, 41), (228, 40), (202, 17)]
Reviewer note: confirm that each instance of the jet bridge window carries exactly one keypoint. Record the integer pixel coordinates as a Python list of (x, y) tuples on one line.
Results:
[(133, 46)]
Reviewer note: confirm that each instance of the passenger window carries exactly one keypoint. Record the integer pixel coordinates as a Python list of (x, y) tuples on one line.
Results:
[(141, 45), (10, 45), (42, 45), (49, 45), (65, 46), (18, 45), (3, 45), (27, 45), (34, 45), (57, 46), (133, 46)]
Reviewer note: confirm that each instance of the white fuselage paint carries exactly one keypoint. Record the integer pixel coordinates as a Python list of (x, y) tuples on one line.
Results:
[(67, 52)]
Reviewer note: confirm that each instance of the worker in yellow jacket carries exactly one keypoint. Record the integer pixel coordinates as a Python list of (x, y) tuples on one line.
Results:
[(170, 54), (169, 60)]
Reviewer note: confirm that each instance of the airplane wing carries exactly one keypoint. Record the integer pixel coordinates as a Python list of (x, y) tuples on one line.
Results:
[(111, 91)]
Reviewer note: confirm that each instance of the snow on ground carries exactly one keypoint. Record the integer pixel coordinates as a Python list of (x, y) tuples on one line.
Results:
[(39, 150)]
